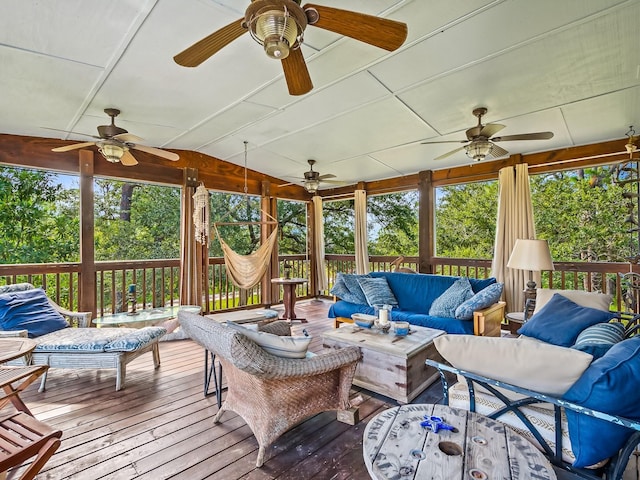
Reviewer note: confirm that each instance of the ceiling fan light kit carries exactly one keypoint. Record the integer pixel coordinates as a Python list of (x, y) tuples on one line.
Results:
[(111, 151), (479, 149), (278, 30)]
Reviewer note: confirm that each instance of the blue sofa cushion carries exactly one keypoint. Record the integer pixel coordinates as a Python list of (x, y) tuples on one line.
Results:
[(348, 289), (599, 338), (29, 310), (608, 386), (561, 320), (377, 291), (416, 292), (483, 299), (454, 296)]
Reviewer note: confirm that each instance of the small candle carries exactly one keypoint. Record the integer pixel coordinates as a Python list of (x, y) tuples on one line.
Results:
[(383, 315), (132, 288)]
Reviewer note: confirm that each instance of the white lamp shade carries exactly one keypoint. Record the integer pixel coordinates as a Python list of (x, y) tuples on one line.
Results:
[(532, 255)]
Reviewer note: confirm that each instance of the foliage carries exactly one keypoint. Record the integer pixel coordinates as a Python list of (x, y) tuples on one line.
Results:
[(466, 220), (392, 225), (38, 218), (153, 230)]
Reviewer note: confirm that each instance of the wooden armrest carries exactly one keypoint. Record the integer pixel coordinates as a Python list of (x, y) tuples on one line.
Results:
[(486, 322)]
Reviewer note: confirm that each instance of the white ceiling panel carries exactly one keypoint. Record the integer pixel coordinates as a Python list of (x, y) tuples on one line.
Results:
[(366, 129), (570, 67)]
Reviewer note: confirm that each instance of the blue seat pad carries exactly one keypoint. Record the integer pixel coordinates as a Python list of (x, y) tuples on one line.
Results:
[(91, 340)]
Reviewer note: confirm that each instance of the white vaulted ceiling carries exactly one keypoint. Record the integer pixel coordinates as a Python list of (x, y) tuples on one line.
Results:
[(567, 66)]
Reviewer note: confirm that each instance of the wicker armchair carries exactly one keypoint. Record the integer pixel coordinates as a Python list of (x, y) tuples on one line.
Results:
[(272, 394)]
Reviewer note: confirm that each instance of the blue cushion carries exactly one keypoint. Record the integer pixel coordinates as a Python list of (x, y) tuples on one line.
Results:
[(483, 299), (608, 386), (29, 310), (560, 321), (377, 291), (445, 305), (598, 339), (348, 289), (93, 340)]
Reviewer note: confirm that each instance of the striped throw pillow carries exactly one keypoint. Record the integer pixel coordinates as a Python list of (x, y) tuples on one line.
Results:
[(599, 338)]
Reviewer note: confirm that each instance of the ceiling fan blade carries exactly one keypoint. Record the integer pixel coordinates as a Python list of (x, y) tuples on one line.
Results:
[(326, 175), (158, 152), (525, 136), (128, 137), (128, 160), (491, 129), (296, 73), (380, 32), (75, 146), (287, 184), (70, 131), (456, 150), (498, 151), (335, 182), (205, 48), (444, 141)]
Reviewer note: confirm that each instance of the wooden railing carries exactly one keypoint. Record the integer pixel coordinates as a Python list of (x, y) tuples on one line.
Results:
[(158, 281)]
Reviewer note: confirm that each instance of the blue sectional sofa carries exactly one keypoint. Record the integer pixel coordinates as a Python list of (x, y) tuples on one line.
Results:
[(415, 294)]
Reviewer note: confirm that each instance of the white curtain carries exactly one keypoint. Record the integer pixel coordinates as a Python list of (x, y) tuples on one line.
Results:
[(322, 283), (362, 253), (515, 220)]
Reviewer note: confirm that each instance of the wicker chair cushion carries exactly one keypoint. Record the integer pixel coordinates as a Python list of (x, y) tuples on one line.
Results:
[(281, 346), (93, 340), (30, 310)]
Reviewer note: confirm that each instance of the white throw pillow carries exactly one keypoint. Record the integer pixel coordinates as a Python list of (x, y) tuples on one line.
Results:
[(523, 362), (286, 347), (599, 301)]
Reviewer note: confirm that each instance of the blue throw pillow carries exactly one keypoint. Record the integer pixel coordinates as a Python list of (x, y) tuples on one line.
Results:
[(560, 321), (377, 291), (29, 310), (598, 339), (458, 293), (607, 386), (348, 289), (483, 299)]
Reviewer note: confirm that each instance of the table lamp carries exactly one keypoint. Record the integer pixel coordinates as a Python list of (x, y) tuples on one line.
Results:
[(531, 255)]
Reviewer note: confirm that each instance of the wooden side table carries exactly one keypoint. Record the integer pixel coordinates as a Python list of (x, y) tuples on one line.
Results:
[(289, 286), (516, 320)]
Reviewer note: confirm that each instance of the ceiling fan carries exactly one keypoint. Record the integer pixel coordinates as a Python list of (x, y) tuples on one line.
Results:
[(114, 143), (480, 142), (312, 179), (278, 25)]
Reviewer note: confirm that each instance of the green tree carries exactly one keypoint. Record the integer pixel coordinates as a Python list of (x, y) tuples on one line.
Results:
[(38, 218)]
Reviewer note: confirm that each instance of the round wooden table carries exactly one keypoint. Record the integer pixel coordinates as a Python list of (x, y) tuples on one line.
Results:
[(15, 347), (396, 446), (289, 296)]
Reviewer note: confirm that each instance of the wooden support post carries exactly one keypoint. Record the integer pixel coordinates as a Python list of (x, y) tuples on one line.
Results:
[(87, 281), (426, 222), (269, 206), (311, 249)]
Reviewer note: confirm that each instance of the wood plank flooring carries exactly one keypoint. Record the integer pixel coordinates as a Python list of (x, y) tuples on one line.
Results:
[(160, 426)]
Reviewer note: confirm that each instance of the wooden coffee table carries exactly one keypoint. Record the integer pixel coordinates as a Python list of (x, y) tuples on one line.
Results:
[(395, 446), (391, 366)]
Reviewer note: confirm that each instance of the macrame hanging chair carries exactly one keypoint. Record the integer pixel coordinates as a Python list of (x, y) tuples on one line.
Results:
[(246, 271)]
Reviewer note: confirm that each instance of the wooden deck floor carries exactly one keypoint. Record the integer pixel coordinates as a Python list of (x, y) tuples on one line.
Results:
[(160, 426)]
